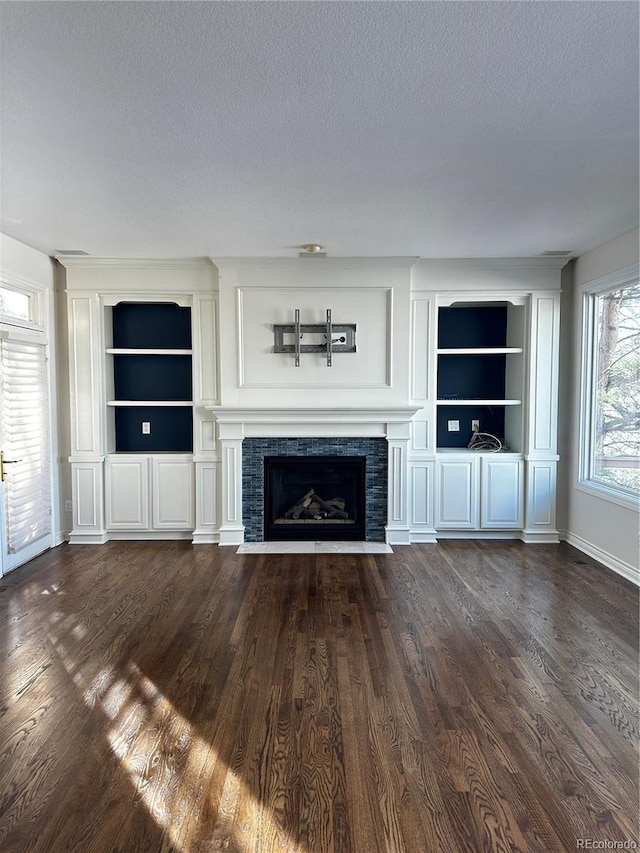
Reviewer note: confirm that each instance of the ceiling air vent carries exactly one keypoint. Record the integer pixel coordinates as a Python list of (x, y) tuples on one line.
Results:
[(557, 253), (69, 252)]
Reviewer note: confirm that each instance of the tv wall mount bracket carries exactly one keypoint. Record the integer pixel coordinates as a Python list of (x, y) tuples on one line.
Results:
[(325, 338)]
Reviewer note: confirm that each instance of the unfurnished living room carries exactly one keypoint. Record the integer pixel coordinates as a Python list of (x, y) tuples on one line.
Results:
[(319, 426)]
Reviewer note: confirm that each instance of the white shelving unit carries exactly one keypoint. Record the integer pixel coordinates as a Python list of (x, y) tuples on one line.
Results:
[(148, 489), (133, 331), (484, 381), (135, 484)]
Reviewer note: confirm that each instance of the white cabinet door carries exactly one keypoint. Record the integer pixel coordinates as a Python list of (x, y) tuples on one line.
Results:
[(457, 489), (502, 492), (173, 497), (127, 493)]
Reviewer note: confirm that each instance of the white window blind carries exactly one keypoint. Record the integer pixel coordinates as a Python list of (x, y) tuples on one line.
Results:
[(26, 438)]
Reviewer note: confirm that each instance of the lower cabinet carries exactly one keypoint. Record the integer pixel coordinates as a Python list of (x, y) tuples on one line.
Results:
[(172, 496), (149, 492), (501, 493), (457, 504), (479, 492)]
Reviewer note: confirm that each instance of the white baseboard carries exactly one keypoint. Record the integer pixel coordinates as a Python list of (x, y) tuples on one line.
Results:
[(477, 534), (205, 537), (231, 536), (148, 536), (540, 537), (626, 570), (423, 537), (397, 535), (59, 538), (87, 538)]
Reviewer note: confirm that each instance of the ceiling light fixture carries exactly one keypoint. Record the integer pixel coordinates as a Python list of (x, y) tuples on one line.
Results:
[(312, 248)]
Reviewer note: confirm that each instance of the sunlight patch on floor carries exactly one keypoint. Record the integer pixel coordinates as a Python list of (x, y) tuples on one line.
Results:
[(169, 763)]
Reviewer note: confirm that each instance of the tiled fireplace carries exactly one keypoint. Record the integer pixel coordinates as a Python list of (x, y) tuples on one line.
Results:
[(374, 453), (246, 436)]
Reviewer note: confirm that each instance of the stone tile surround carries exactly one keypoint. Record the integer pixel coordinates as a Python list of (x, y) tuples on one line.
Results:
[(255, 449)]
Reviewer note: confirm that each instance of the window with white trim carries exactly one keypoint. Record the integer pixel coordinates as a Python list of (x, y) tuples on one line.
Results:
[(21, 304), (610, 428)]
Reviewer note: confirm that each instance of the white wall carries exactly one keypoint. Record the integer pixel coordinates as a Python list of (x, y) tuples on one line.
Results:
[(605, 530), (21, 263), (25, 263), (255, 294)]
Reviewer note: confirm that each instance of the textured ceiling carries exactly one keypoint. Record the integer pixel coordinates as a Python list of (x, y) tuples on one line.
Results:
[(438, 129)]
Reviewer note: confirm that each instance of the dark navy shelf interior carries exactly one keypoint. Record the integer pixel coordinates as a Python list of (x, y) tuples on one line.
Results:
[(471, 377), (152, 377), (151, 325), (171, 429), (477, 326), (491, 420)]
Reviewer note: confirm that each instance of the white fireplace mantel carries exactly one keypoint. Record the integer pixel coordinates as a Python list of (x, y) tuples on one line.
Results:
[(237, 423), (244, 422)]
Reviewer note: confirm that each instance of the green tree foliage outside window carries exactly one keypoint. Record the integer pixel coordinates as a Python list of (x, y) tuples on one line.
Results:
[(615, 457)]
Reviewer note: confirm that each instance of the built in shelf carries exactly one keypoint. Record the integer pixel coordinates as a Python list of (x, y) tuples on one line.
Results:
[(479, 350), (145, 403), (478, 402), (136, 351)]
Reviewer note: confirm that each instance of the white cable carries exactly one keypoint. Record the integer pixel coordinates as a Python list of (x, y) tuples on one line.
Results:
[(484, 441)]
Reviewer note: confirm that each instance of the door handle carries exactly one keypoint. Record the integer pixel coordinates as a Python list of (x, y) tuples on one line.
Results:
[(3, 462)]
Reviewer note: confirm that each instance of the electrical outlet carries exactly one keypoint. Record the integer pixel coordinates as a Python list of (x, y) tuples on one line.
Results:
[(146, 427), (475, 426), (68, 506), (453, 426)]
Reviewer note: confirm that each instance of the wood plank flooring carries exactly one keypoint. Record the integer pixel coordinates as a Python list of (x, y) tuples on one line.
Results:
[(464, 696)]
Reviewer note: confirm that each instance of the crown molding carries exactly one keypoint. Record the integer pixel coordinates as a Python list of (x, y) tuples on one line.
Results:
[(88, 262), (309, 263)]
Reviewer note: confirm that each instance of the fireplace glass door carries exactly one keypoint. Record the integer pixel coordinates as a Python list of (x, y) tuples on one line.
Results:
[(314, 498)]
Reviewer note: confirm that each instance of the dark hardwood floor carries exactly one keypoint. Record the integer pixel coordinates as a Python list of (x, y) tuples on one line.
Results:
[(455, 697)]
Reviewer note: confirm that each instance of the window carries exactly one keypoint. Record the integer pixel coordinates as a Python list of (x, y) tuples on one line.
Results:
[(14, 304), (610, 425), (21, 303)]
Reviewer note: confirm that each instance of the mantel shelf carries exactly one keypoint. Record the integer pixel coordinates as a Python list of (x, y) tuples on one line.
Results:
[(479, 350), (135, 351), (296, 415)]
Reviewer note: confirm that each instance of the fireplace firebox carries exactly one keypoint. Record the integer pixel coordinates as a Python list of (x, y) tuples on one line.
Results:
[(314, 497)]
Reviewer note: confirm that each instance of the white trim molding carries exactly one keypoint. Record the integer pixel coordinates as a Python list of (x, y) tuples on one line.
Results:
[(626, 570), (589, 292)]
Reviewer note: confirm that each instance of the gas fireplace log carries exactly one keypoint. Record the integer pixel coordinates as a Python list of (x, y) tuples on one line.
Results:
[(330, 509), (338, 503), (313, 507), (314, 510), (297, 509)]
